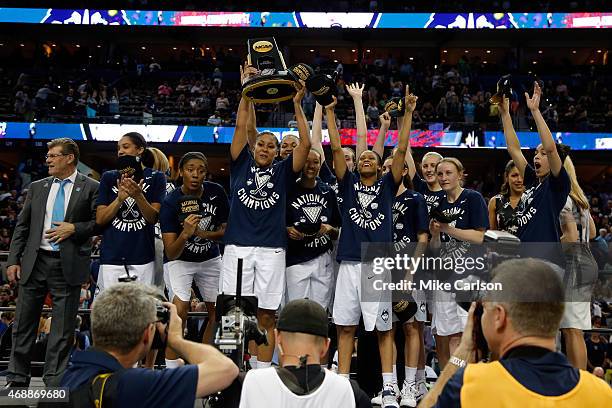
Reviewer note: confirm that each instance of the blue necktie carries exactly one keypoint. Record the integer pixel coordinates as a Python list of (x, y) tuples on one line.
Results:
[(58, 207)]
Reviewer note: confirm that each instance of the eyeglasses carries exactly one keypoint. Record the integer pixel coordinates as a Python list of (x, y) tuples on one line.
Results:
[(54, 155)]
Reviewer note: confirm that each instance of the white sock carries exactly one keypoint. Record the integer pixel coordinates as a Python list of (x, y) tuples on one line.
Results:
[(344, 375), (395, 373), (253, 362), (264, 364), (420, 375), (173, 363), (410, 375), (387, 378)]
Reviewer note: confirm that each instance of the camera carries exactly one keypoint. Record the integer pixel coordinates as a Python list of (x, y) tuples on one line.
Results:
[(163, 314), (237, 323)]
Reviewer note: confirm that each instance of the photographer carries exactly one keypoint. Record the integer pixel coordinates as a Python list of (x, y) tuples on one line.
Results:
[(520, 324), (124, 319), (302, 340)]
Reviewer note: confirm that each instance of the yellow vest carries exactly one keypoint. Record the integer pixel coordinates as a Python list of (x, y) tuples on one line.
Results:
[(490, 385)]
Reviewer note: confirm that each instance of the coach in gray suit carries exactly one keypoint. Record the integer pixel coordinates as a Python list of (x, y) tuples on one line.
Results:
[(50, 252)]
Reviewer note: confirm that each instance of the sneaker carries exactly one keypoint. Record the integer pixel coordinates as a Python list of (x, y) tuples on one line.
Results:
[(378, 399), (389, 397), (410, 395), (422, 390)]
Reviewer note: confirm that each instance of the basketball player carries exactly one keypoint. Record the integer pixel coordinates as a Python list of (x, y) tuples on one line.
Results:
[(256, 227), (127, 211), (468, 210), (578, 229), (192, 253), (367, 217), (502, 207), (313, 221), (411, 226)]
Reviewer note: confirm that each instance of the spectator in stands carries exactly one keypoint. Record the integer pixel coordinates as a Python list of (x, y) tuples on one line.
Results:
[(118, 347), (520, 324), (217, 76), (214, 119), (372, 114), (113, 104), (91, 107), (50, 253), (222, 103), (6, 319), (164, 90), (197, 88)]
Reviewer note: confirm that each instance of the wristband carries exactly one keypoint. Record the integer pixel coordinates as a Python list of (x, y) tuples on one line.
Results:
[(457, 361)]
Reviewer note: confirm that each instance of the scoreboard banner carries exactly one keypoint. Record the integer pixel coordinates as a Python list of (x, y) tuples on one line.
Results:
[(265, 19), (435, 136)]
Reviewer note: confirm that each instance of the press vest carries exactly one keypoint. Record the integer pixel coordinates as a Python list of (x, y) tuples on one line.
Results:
[(487, 385)]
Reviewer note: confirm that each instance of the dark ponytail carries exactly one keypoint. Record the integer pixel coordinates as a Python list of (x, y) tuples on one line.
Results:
[(147, 158)]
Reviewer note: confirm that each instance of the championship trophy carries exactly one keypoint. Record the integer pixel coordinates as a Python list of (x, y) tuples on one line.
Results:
[(504, 88), (395, 107), (273, 83)]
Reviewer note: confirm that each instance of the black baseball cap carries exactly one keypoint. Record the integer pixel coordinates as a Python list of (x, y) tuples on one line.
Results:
[(303, 316)]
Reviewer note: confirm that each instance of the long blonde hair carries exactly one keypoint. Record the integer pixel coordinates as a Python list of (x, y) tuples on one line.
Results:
[(576, 193), (160, 162)]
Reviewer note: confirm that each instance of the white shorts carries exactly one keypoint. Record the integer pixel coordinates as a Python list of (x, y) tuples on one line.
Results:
[(355, 297), (448, 317), (576, 315), (263, 273), (109, 274), (312, 279), (205, 274)]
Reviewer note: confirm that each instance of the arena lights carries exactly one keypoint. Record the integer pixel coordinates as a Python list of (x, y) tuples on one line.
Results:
[(299, 19), (488, 51)]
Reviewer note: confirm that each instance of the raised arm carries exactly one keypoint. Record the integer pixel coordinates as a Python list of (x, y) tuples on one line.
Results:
[(409, 159), (512, 142), (252, 126), (385, 123), (240, 133), (548, 143), (300, 153), (317, 131), (334, 139), (356, 92), (397, 166)]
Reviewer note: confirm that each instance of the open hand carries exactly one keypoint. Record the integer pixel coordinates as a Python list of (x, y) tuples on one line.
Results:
[(60, 231), (533, 103), (355, 90), (132, 188)]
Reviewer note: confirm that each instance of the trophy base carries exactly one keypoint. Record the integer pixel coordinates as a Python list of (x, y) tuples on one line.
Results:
[(269, 89)]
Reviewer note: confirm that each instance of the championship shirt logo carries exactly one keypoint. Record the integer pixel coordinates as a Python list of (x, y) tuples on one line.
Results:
[(313, 213), (363, 217), (204, 223), (364, 201), (259, 193), (395, 217), (129, 217)]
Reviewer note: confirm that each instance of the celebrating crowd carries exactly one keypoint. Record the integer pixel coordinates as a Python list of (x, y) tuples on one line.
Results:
[(289, 218)]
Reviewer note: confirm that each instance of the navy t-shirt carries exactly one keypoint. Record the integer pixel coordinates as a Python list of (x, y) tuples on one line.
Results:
[(215, 208), (432, 198), (469, 211), (328, 176), (538, 211), (137, 387), (309, 206), (409, 218), (129, 239), (367, 214), (258, 202)]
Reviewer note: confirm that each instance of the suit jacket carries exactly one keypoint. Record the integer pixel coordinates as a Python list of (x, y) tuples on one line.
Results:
[(75, 252)]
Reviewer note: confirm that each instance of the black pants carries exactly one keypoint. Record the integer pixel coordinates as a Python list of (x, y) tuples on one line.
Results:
[(46, 277)]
